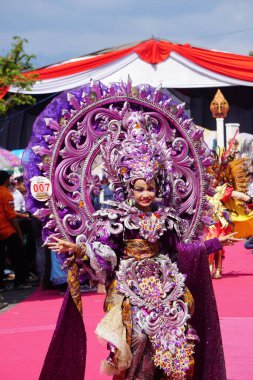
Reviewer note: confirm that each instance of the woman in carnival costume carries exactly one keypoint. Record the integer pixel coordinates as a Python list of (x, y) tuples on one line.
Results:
[(223, 224), (240, 203), (230, 201), (222, 227), (161, 320), (235, 165)]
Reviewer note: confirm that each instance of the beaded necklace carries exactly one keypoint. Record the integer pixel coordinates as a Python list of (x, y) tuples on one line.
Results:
[(151, 224)]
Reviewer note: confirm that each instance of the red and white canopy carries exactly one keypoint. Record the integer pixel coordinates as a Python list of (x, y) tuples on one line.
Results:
[(157, 62)]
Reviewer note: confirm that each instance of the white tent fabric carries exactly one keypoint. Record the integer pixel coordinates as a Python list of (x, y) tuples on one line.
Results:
[(174, 72)]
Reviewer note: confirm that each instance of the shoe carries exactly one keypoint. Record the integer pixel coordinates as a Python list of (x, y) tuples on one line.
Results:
[(3, 305), (32, 281), (23, 286), (33, 278), (101, 289), (217, 274), (9, 277), (85, 288)]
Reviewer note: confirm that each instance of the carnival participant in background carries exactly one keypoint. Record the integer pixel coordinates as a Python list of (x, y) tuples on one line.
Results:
[(222, 227), (230, 201), (236, 168), (239, 202)]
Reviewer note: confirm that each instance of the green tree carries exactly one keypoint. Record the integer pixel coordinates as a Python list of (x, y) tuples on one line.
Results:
[(14, 70)]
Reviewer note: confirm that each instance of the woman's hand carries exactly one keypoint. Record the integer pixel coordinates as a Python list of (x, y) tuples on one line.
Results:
[(61, 245), (228, 239)]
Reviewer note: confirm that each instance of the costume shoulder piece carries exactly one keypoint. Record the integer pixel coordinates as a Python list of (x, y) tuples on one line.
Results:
[(90, 142), (120, 216)]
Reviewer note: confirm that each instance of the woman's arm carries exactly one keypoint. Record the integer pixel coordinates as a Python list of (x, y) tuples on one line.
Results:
[(63, 246), (98, 258), (216, 244), (212, 245)]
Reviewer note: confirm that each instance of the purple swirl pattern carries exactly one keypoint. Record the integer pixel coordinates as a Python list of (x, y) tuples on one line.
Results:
[(68, 138)]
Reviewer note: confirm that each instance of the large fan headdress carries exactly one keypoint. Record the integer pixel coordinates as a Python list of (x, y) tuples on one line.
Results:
[(121, 132)]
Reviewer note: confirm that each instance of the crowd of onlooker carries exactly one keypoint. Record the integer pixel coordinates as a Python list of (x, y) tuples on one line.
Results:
[(24, 261), (22, 255)]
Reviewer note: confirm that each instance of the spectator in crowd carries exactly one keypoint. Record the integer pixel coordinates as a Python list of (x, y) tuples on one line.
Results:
[(11, 237), (19, 199), (31, 228), (25, 223), (40, 250)]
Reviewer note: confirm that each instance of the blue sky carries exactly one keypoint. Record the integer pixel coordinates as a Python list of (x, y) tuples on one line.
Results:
[(61, 29)]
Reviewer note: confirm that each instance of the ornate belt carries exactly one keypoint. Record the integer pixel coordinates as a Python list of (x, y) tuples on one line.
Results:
[(140, 249)]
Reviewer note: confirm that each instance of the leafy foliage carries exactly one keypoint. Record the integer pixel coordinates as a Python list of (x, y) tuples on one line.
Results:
[(14, 70)]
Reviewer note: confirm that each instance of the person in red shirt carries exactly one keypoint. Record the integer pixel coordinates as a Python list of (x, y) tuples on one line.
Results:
[(11, 238)]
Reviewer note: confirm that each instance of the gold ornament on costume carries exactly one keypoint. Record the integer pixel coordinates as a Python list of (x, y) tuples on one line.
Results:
[(140, 248), (220, 170), (219, 210), (134, 92), (74, 286), (234, 151), (240, 173), (93, 96), (219, 106)]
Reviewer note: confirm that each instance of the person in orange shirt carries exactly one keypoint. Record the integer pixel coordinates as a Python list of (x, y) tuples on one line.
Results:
[(11, 238)]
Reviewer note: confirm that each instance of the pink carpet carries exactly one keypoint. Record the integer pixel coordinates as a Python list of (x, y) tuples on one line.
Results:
[(235, 305), (26, 329)]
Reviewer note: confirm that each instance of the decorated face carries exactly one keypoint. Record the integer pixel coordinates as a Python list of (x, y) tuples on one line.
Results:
[(144, 193)]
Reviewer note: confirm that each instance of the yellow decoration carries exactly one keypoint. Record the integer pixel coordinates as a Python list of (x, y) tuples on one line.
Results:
[(74, 286), (243, 222)]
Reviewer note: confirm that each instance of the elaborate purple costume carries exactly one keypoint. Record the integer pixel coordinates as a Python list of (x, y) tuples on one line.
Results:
[(153, 270)]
